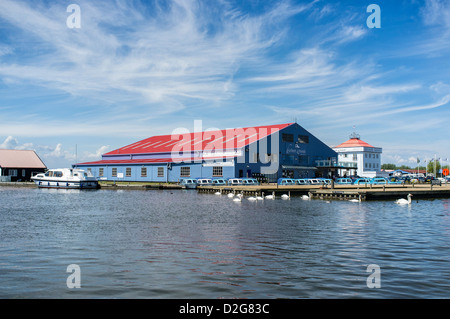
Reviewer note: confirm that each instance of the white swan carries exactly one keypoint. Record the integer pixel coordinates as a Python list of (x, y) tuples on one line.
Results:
[(307, 197), (217, 193), (356, 200), (251, 198), (238, 198), (270, 196), (230, 195), (260, 197), (403, 201), (284, 196)]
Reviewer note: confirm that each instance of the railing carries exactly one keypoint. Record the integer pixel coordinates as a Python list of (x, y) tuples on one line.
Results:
[(333, 163), (5, 179)]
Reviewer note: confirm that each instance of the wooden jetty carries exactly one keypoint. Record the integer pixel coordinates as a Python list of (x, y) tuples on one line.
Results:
[(340, 192)]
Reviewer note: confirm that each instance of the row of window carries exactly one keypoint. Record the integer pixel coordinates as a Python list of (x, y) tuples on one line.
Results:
[(302, 139), (185, 171), (366, 155), (370, 165), (355, 156), (294, 159), (13, 173)]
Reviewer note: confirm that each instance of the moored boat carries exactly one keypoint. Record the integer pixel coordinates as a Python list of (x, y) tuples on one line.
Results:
[(66, 178), (189, 183)]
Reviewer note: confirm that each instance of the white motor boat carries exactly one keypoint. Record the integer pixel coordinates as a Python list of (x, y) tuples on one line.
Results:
[(66, 178)]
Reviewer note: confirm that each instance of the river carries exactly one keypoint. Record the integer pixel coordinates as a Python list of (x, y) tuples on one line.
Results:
[(182, 244)]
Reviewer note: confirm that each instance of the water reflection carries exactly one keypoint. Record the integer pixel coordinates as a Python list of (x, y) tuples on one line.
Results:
[(182, 244)]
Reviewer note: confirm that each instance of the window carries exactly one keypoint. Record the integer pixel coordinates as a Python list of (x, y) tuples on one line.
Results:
[(355, 157), (287, 137), (100, 172), (143, 171), (160, 171), (23, 173), (303, 139), (12, 172), (185, 171), (128, 172), (114, 172), (217, 171)]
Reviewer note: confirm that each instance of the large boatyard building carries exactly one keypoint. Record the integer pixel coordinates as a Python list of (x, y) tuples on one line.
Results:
[(269, 152)]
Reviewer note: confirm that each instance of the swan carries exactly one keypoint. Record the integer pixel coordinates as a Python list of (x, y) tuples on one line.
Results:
[(284, 196), (260, 197), (230, 195), (307, 197), (403, 201), (356, 200), (270, 196), (238, 198), (251, 198), (217, 193)]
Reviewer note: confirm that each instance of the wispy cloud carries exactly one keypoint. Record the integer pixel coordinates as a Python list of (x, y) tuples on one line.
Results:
[(180, 53)]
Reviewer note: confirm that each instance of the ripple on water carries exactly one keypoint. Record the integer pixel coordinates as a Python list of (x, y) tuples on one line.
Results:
[(181, 244)]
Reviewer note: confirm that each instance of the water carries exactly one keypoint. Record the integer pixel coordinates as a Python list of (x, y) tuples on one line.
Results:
[(181, 244)]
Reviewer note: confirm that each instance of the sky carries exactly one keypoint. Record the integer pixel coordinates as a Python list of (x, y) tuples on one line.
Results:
[(75, 84)]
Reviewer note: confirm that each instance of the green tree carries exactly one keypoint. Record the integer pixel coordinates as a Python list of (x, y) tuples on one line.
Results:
[(430, 167), (388, 166)]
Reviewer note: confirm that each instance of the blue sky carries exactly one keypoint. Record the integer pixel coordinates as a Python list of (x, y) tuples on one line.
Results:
[(135, 69)]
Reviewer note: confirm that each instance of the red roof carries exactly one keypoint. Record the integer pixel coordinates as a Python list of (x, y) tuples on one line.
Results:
[(199, 141), (353, 142)]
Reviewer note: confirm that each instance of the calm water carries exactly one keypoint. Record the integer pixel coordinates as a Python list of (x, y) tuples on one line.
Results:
[(181, 244)]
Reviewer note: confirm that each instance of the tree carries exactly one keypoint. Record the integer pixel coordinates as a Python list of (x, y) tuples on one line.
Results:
[(430, 167), (388, 166)]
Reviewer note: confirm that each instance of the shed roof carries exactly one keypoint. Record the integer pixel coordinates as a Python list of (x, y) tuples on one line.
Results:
[(20, 159)]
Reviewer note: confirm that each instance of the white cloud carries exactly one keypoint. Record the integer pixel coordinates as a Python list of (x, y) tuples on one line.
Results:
[(180, 53)]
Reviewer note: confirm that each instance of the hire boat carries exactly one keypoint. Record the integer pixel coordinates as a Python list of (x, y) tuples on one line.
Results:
[(72, 178)]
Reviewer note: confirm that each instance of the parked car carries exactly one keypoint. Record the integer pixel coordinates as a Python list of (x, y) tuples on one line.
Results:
[(428, 179), (286, 181)]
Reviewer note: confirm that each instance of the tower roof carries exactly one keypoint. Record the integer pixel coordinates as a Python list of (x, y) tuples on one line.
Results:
[(354, 142)]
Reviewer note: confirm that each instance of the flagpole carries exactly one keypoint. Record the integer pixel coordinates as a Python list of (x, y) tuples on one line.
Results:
[(435, 166)]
